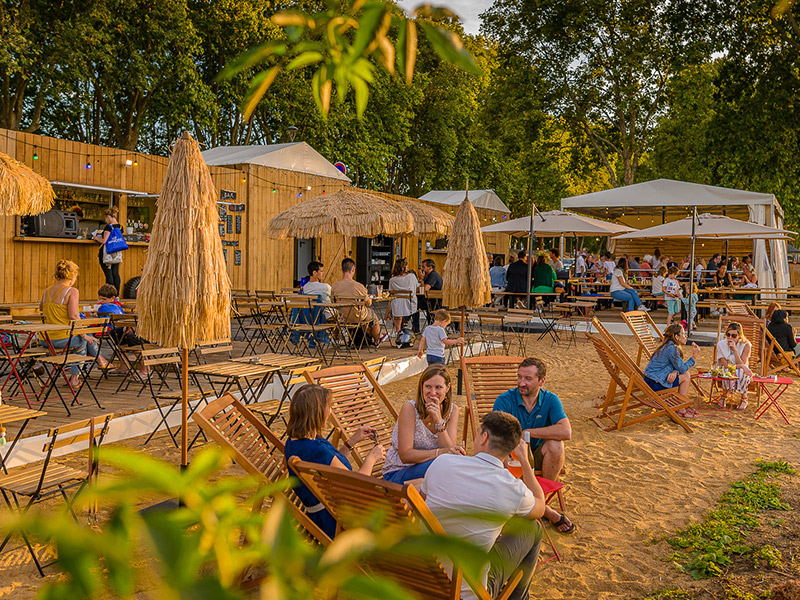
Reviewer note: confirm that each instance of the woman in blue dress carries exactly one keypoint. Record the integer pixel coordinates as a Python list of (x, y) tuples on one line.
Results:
[(309, 409)]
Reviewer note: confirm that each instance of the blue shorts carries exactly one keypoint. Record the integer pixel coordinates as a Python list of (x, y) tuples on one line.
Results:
[(657, 387), (413, 472), (435, 360), (673, 306)]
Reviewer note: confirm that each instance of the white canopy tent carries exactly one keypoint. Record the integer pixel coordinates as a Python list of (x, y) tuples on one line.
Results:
[(479, 198), (295, 156), (667, 196), (556, 223)]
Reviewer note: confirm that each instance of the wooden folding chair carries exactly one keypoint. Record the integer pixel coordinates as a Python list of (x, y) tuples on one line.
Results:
[(741, 309), (354, 500), (626, 374), (358, 400), (779, 359), (485, 378), (256, 449), (40, 481), (276, 408), (217, 349)]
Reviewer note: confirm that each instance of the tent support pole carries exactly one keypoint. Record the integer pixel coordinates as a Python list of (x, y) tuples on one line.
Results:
[(691, 271), (530, 255)]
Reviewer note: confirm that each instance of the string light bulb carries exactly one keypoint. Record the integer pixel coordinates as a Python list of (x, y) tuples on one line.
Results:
[(35, 154), (88, 162), (308, 187), (274, 190), (300, 195), (135, 163)]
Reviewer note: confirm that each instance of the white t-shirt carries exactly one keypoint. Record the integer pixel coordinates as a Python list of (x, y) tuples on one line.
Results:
[(434, 338), (724, 351), (609, 266), (580, 265), (658, 285), (456, 484), (615, 283), (318, 288)]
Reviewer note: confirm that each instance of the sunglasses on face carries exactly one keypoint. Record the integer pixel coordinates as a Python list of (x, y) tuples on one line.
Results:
[(732, 335)]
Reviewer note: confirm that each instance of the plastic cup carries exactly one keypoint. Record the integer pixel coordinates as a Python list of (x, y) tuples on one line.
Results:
[(515, 468)]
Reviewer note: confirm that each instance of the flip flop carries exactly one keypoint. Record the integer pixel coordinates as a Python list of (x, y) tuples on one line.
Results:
[(563, 521)]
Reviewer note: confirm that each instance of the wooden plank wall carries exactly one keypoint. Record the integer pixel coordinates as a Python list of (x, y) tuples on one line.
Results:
[(28, 265)]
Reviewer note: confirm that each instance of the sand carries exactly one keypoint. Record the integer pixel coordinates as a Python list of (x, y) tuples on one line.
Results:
[(624, 489)]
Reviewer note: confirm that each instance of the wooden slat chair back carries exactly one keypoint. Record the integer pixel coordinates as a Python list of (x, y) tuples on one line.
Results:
[(645, 331), (779, 359), (355, 500), (41, 480), (256, 449), (485, 378), (741, 309), (217, 349), (358, 400), (755, 330), (276, 408), (664, 402)]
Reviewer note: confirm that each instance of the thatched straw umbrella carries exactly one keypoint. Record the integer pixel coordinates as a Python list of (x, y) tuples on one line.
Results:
[(350, 213), (22, 191), (429, 221), (184, 295)]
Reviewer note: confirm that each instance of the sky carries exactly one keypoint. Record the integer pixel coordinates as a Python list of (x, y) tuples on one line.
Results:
[(468, 10)]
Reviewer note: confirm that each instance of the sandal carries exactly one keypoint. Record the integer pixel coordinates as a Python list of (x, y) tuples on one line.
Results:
[(742, 404), (688, 413), (563, 521)]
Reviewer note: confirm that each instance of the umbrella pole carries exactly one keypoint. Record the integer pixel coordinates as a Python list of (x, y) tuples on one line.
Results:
[(184, 406), (461, 349), (530, 259), (691, 272)]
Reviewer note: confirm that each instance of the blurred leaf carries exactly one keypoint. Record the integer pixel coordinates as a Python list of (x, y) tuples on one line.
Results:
[(368, 25), (292, 17), (303, 60), (258, 87), (449, 47), (252, 58), (361, 90)]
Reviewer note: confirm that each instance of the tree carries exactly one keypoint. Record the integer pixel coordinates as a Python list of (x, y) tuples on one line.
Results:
[(606, 64)]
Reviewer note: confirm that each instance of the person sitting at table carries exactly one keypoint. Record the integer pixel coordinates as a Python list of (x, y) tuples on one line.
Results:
[(773, 306), (426, 428), (541, 413), (497, 275), (722, 278), (544, 277), (555, 260), (783, 332), (348, 288), (621, 290), (308, 411), (517, 280), (667, 369), (645, 266), (59, 306), (749, 277), (315, 286), (403, 281), (734, 349)]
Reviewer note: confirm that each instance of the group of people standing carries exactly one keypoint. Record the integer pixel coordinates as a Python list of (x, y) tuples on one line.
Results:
[(425, 451)]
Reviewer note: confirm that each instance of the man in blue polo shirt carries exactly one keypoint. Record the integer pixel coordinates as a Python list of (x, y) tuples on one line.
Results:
[(540, 413)]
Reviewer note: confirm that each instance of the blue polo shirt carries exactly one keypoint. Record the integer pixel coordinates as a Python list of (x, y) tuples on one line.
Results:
[(548, 410)]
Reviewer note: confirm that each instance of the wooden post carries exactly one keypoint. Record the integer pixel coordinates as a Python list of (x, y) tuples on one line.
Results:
[(184, 406)]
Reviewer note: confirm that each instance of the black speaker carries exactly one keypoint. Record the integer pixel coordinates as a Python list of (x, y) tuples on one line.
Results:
[(56, 223)]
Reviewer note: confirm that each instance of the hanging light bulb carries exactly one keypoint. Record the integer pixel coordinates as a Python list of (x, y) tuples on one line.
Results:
[(35, 155), (274, 190), (88, 162)]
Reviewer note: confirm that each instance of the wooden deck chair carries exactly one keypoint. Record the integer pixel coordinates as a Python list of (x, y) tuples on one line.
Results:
[(375, 365), (779, 359), (755, 331), (358, 400), (741, 309), (637, 394), (485, 378), (649, 337), (256, 449), (354, 500), (276, 408), (40, 481)]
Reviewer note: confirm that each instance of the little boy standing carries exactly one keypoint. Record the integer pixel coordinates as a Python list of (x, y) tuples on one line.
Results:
[(435, 337), (672, 294)]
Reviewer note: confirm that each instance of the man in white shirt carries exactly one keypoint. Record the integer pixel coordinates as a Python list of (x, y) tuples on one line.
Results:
[(315, 286), (580, 264), (457, 488)]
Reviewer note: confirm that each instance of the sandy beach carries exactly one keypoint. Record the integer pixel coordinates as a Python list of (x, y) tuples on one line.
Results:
[(625, 489)]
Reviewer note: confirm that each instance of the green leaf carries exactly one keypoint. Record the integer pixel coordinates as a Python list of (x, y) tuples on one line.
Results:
[(303, 60), (361, 90), (368, 588), (251, 58), (258, 87), (368, 25), (449, 47)]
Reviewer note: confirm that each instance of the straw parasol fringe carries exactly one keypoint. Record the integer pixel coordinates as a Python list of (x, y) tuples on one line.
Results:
[(466, 274), (22, 190), (184, 295), (428, 220), (347, 212)]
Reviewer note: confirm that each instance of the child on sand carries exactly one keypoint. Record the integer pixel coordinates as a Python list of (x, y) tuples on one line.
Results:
[(435, 338), (672, 293)]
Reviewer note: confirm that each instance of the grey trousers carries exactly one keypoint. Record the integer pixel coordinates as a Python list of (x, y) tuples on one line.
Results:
[(511, 552)]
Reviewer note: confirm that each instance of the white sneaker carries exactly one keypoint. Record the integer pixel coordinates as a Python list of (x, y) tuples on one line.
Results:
[(715, 313), (642, 307)]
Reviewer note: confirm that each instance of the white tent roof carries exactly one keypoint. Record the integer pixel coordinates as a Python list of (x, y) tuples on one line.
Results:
[(708, 226), (480, 199), (555, 223), (668, 193), (296, 156)]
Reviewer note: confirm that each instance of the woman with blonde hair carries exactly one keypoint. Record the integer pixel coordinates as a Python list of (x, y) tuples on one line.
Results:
[(110, 271), (308, 411), (403, 280), (734, 349), (59, 306), (667, 369), (426, 428)]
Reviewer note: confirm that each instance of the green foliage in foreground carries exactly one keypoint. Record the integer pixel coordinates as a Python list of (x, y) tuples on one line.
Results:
[(197, 551), (706, 548)]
